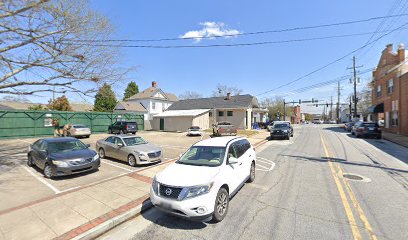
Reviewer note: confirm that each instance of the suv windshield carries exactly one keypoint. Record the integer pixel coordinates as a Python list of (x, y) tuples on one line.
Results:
[(79, 126), (281, 125), (203, 156), (132, 141), (65, 146)]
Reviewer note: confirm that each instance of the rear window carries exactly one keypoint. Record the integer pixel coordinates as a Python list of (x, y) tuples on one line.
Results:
[(370, 124), (194, 128), (131, 123), (79, 126)]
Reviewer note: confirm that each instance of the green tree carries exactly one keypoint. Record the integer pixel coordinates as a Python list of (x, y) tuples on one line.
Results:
[(59, 104), (105, 99), (275, 108), (131, 89), (38, 107)]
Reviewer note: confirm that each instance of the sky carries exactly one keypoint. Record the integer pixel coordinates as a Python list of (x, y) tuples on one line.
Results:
[(254, 69)]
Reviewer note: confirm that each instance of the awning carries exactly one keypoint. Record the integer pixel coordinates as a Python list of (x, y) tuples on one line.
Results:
[(379, 108)]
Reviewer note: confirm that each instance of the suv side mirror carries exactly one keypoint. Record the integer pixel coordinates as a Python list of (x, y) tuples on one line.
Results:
[(88, 145), (232, 160)]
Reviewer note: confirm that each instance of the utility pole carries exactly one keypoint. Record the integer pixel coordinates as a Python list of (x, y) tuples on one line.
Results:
[(331, 107), (355, 85), (284, 110), (350, 109), (53, 94), (338, 102)]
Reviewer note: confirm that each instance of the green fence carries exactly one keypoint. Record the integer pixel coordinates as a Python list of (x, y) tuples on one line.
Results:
[(26, 123)]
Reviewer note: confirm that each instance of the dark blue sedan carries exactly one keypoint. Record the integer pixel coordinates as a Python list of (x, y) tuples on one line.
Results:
[(62, 156)]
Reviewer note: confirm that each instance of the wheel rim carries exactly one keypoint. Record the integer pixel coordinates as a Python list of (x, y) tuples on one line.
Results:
[(132, 160), (47, 171), (101, 153), (222, 204), (252, 171), (121, 131)]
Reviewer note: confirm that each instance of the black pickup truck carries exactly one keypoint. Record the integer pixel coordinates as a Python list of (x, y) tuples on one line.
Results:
[(123, 127)]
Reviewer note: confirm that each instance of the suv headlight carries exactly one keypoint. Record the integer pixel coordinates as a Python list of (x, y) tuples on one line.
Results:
[(285, 131), (60, 163), (95, 157), (155, 186), (189, 192)]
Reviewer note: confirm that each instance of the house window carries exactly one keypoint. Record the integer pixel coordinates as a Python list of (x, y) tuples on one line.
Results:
[(163, 107), (153, 105), (390, 86), (220, 114), (229, 113), (210, 114), (378, 90)]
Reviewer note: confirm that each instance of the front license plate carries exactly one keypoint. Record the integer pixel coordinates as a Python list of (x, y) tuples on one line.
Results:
[(166, 206), (371, 129)]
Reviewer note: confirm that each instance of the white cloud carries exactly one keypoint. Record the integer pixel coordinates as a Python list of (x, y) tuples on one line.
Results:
[(211, 30)]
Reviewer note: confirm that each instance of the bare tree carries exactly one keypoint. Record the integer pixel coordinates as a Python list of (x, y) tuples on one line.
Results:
[(222, 90), (275, 107), (45, 46), (190, 95)]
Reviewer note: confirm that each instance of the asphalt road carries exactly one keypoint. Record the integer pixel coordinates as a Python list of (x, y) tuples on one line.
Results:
[(305, 196)]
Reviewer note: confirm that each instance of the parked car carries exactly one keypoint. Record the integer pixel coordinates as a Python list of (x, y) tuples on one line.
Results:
[(353, 128), (332, 122), (62, 156), (348, 126), (224, 128), (194, 131), (284, 122), (281, 130), (199, 185), (367, 129), (79, 130), (123, 127), (132, 149)]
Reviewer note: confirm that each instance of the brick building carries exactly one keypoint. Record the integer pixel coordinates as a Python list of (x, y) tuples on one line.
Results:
[(390, 90)]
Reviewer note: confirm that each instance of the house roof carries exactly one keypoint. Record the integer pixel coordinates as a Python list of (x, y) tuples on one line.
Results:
[(76, 107), (150, 93), (182, 113), (238, 101), (130, 106)]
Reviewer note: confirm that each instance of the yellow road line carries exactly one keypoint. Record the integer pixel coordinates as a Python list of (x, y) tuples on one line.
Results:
[(360, 211), (347, 208)]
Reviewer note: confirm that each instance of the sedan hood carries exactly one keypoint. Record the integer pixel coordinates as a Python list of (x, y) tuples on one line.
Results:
[(84, 153), (148, 147), (186, 175)]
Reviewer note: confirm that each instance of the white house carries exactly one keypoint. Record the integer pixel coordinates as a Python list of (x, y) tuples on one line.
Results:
[(153, 100)]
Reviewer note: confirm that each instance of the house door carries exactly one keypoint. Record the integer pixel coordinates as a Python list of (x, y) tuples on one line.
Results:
[(161, 123)]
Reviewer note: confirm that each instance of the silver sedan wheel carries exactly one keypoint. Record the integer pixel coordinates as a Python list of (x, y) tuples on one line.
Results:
[(132, 160), (101, 153), (47, 171)]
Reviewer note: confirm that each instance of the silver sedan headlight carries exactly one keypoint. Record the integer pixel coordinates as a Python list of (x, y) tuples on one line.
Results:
[(60, 163)]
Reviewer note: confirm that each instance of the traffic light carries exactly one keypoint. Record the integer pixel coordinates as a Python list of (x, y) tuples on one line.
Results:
[(327, 105), (317, 105), (300, 101), (312, 100)]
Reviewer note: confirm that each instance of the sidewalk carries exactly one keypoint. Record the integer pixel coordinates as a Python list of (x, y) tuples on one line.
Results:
[(86, 212), (396, 138)]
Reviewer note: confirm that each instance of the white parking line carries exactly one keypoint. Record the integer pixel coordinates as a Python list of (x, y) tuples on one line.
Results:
[(114, 165), (56, 191), (264, 161)]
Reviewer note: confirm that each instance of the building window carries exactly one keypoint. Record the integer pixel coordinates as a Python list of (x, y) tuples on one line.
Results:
[(394, 120), (210, 114), (153, 105), (378, 90), (390, 86), (229, 113), (163, 107), (220, 114)]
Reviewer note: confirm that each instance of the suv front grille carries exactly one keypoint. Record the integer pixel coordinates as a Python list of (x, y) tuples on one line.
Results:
[(169, 192)]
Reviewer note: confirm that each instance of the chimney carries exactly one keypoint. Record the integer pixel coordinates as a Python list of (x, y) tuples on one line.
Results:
[(228, 96), (154, 84), (389, 47), (401, 52)]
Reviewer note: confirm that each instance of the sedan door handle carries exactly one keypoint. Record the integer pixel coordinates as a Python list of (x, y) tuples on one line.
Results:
[(240, 164)]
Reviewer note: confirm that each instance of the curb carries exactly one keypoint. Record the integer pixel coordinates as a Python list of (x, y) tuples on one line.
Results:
[(396, 142), (113, 222)]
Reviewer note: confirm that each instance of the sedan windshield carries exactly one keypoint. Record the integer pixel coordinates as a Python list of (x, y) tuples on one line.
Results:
[(203, 156), (280, 126), (132, 141), (65, 146)]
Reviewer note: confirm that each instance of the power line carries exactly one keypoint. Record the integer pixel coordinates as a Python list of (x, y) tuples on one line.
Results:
[(335, 61)]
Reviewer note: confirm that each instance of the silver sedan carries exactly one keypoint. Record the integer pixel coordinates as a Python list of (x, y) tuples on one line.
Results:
[(132, 149)]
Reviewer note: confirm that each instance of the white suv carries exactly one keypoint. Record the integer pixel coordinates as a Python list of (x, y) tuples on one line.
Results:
[(199, 185)]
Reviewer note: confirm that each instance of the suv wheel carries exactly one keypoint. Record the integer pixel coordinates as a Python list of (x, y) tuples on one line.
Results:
[(110, 131), (30, 161), (47, 171), (132, 160), (252, 173), (221, 205), (101, 153)]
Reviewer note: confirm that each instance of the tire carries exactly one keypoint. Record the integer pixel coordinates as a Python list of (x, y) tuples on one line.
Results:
[(221, 205), (251, 173), (30, 161), (132, 160), (110, 131), (379, 137), (88, 136), (47, 171), (134, 133), (287, 137), (101, 153)]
